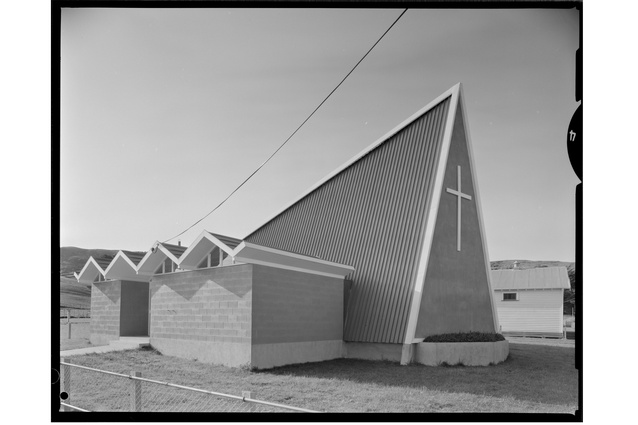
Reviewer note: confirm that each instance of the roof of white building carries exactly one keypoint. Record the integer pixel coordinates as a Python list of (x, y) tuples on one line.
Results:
[(539, 278)]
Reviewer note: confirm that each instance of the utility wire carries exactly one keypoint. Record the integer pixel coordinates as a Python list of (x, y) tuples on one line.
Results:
[(293, 133)]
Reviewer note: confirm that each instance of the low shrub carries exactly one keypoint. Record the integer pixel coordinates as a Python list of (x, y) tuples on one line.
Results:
[(466, 337)]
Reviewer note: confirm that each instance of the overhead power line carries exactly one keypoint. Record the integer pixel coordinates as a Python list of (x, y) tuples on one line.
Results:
[(293, 133)]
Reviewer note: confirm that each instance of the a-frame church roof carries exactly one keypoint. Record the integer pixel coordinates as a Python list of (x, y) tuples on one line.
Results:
[(421, 266)]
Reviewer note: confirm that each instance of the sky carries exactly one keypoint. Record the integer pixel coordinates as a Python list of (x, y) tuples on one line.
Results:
[(165, 111)]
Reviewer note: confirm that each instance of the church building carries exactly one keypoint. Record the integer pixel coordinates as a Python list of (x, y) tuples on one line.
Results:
[(406, 214), (385, 251)]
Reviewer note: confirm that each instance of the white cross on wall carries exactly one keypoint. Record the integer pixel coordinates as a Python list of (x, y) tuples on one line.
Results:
[(459, 195)]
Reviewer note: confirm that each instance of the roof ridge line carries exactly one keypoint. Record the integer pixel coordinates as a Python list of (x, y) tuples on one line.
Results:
[(429, 106)]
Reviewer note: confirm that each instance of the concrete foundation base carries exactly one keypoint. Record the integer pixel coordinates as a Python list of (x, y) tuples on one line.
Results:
[(372, 351), (466, 353), (265, 356), (225, 353)]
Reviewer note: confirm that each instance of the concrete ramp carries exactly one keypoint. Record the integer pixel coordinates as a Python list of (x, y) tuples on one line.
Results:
[(124, 343)]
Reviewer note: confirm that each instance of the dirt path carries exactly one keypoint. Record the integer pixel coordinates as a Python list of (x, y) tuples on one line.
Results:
[(542, 341)]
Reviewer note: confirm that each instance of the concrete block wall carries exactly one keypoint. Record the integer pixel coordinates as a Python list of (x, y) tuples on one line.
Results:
[(292, 306), (297, 317), (105, 311), (203, 314)]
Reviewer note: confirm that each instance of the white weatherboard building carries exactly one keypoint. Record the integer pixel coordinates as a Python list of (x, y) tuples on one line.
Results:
[(530, 302)]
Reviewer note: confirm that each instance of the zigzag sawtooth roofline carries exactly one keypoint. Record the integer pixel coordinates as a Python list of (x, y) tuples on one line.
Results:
[(146, 257), (149, 253), (192, 246), (208, 235), (205, 234), (451, 91), (89, 261), (124, 257), (169, 254)]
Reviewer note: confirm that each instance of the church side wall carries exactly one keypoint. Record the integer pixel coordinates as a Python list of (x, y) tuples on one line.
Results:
[(203, 314), (105, 311)]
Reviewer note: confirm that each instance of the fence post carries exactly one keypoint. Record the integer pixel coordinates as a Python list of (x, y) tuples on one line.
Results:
[(69, 325), (136, 392), (66, 383), (249, 394)]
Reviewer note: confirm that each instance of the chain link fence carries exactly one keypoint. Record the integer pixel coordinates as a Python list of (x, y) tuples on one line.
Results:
[(68, 313), (91, 389), (75, 329)]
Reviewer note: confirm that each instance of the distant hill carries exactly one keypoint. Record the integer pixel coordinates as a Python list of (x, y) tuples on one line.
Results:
[(72, 259), (74, 294)]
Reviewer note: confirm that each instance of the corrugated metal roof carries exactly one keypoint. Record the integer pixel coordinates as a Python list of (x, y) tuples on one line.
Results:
[(176, 250), (227, 240), (539, 278), (370, 215), (134, 256)]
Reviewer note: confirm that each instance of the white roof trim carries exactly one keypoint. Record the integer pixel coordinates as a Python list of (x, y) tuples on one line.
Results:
[(245, 244), (479, 210), (228, 250), (157, 246), (192, 247), (379, 141), (430, 223), (120, 254), (146, 257), (457, 100), (169, 254), (91, 262), (283, 266), (527, 289), (204, 235), (312, 265)]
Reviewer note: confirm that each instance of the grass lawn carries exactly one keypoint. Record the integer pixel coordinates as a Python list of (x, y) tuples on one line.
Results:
[(80, 333), (534, 379)]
